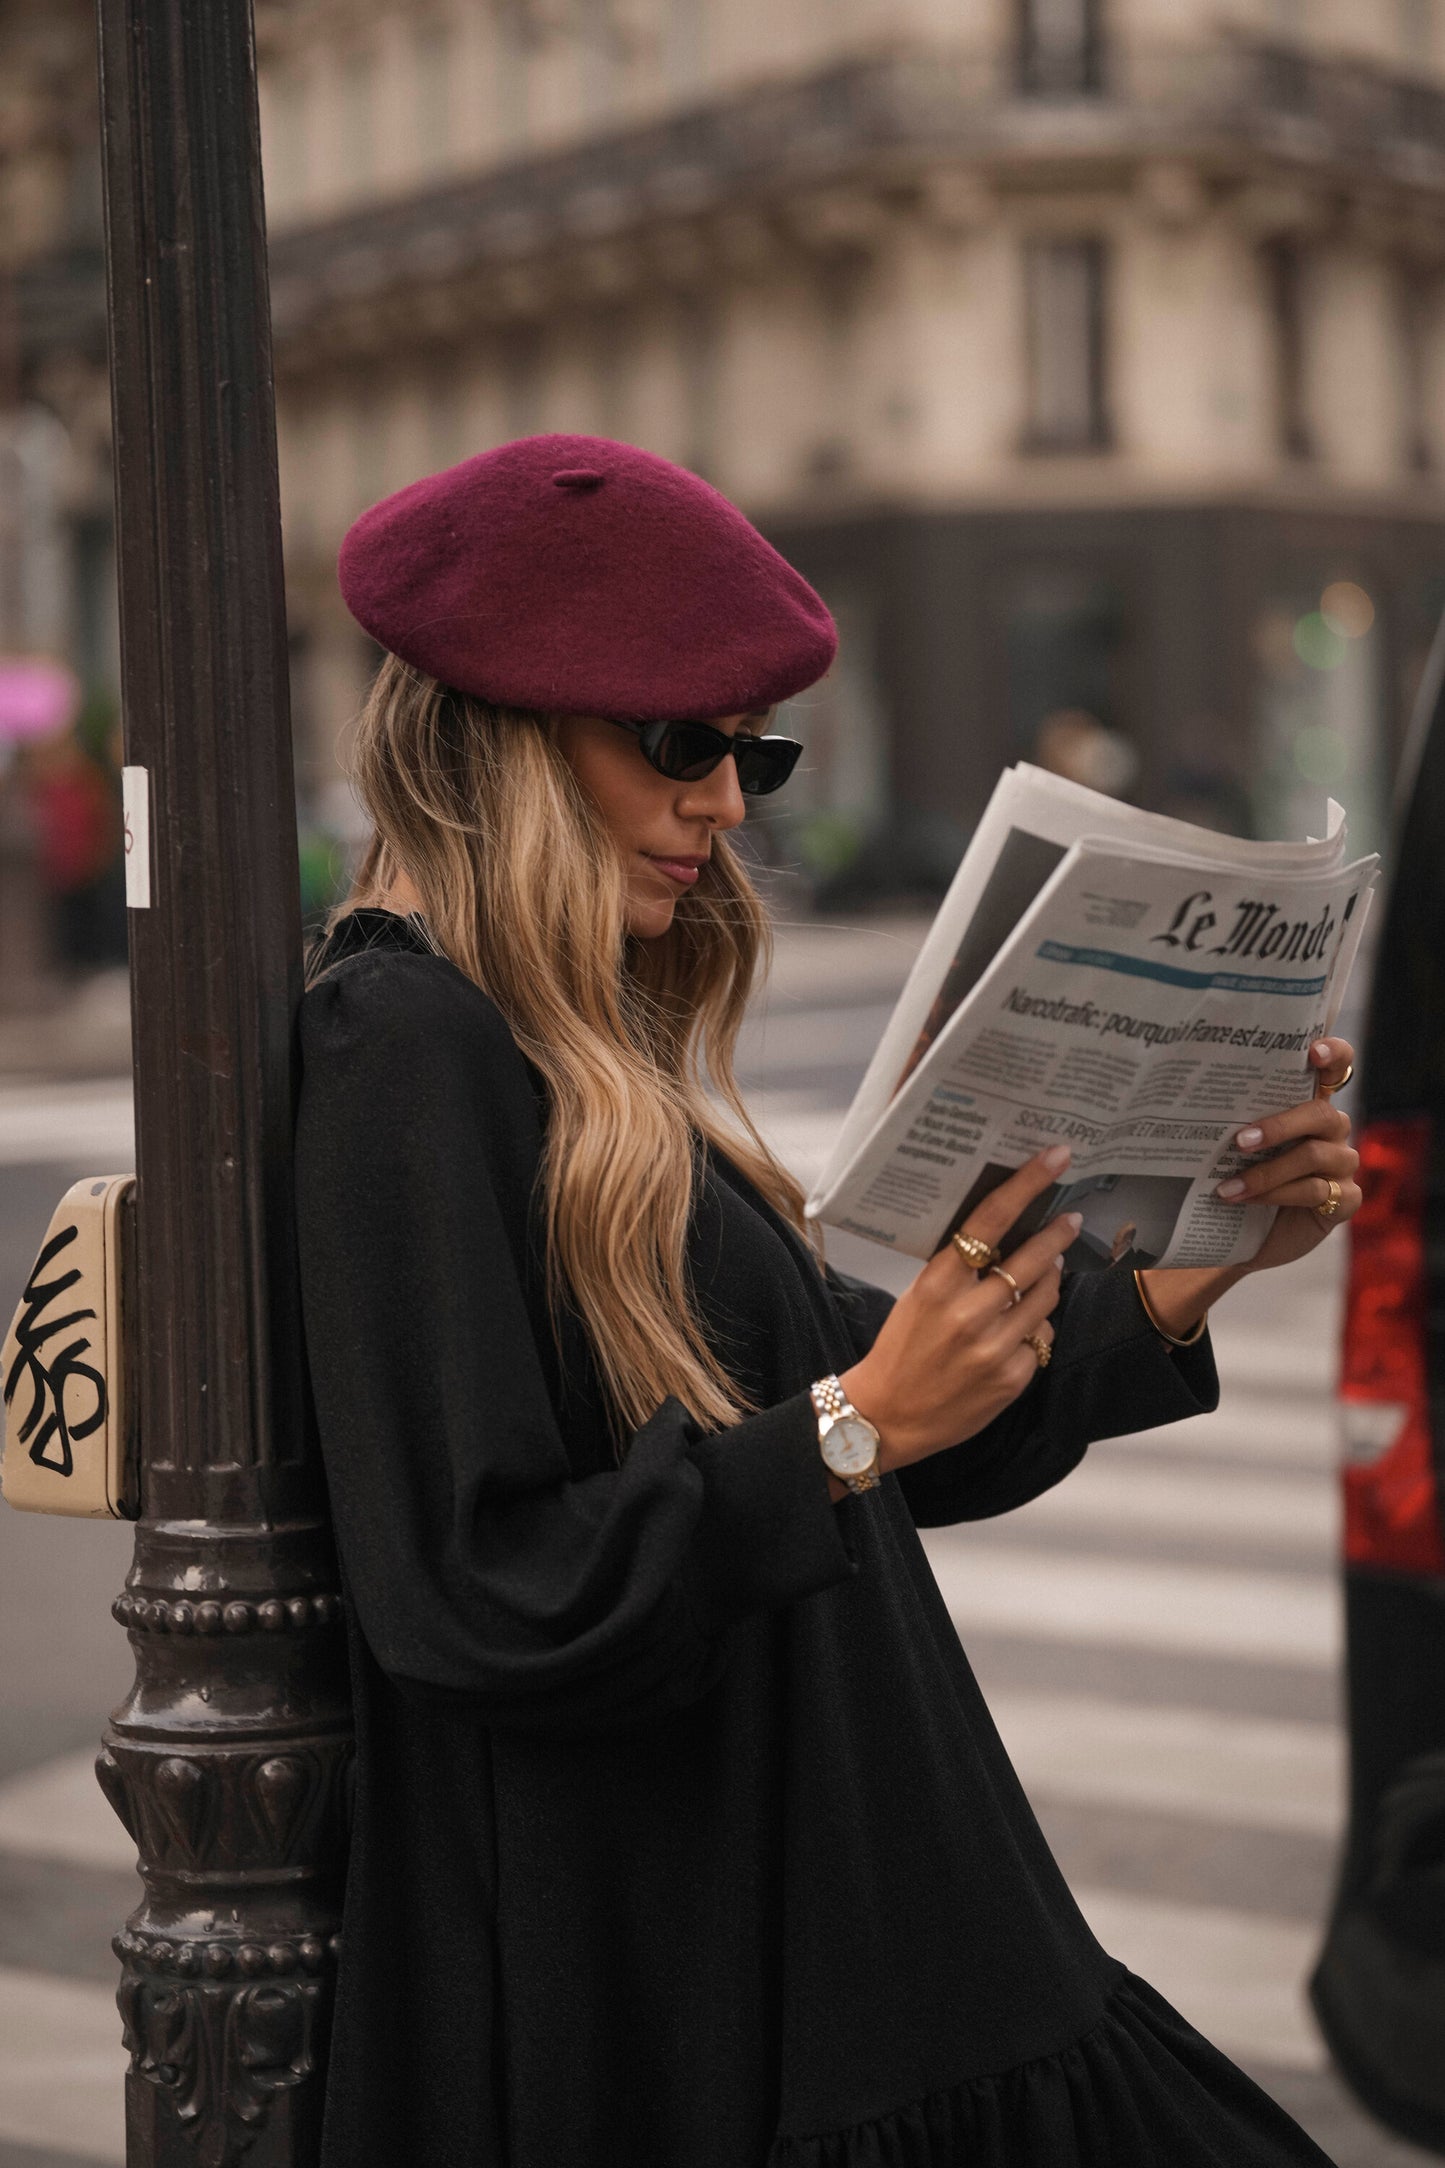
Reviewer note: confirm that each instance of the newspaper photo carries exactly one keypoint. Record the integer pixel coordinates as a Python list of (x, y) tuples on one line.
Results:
[(1126, 984)]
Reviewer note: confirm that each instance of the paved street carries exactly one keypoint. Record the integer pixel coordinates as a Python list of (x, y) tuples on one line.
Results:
[(1158, 1638)]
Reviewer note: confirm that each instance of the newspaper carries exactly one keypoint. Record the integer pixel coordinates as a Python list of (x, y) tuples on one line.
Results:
[(1124, 983)]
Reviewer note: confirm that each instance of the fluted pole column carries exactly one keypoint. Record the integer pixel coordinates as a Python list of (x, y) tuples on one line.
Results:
[(228, 1761)]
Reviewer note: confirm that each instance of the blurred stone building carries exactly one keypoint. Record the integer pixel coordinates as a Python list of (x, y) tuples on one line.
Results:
[(1088, 354)]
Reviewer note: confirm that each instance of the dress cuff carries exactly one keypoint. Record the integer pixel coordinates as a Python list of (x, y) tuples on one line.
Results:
[(769, 1532)]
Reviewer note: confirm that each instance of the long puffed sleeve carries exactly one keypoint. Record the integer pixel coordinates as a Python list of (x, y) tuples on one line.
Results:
[(1111, 1373), (480, 1562)]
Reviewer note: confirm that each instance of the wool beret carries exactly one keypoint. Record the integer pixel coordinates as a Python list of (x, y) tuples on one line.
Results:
[(581, 577)]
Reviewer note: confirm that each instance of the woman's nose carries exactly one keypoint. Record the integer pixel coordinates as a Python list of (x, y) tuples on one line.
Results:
[(717, 797)]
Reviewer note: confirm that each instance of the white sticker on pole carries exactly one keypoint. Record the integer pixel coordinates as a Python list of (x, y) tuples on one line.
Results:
[(136, 798)]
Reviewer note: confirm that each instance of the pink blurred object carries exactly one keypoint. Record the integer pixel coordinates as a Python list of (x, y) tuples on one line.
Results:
[(37, 697)]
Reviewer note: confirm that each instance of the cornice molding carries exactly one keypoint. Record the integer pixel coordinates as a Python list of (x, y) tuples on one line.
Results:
[(824, 166)]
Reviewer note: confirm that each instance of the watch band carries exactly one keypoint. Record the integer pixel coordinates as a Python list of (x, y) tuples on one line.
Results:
[(829, 1403), (829, 1398)]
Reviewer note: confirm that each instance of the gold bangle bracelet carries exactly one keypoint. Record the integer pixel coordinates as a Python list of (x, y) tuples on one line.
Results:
[(1190, 1339)]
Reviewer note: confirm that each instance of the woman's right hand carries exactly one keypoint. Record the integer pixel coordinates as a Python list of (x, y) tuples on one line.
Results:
[(953, 1352)]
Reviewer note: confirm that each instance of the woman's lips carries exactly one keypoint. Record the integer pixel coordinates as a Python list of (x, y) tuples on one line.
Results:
[(682, 870)]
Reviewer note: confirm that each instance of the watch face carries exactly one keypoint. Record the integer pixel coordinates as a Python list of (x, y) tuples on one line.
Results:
[(850, 1445)]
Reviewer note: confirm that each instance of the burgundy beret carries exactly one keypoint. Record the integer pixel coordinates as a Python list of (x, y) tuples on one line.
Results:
[(582, 577)]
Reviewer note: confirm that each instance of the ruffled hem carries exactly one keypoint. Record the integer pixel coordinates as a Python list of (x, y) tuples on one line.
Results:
[(1141, 2089)]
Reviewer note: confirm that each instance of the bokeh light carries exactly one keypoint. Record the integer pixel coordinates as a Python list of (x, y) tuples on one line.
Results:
[(1347, 609), (1317, 643), (1321, 755)]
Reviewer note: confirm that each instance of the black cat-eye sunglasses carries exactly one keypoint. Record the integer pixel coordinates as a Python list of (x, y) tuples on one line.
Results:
[(686, 752)]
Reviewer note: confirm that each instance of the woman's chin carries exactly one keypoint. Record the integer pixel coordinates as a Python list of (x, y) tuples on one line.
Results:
[(649, 916)]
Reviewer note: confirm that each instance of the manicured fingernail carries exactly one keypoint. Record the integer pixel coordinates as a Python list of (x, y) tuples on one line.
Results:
[(1232, 1188), (1322, 1050), (1057, 1157), (1059, 1262), (1247, 1139), (1074, 1221)]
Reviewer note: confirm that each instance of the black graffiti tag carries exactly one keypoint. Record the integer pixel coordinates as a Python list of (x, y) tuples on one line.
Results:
[(48, 1378)]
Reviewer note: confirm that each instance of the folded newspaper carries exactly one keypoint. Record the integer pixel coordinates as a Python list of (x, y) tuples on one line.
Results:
[(1126, 984)]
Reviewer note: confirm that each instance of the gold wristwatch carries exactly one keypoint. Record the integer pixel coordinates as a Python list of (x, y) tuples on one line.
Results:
[(847, 1440)]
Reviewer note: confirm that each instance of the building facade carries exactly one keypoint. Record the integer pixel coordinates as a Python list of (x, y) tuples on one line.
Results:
[(1088, 354)]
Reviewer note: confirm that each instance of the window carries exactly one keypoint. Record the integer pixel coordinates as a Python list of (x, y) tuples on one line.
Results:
[(841, 787), (1285, 272), (1319, 720), (1067, 634), (1064, 292), (1058, 47)]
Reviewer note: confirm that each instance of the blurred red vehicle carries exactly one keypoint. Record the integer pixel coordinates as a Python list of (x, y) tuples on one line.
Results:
[(1379, 1987)]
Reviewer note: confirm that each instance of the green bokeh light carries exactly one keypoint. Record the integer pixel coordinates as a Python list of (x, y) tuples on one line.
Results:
[(1321, 755), (1317, 643)]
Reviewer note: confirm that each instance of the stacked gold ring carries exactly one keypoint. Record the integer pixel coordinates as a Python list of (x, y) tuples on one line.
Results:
[(1043, 1349), (975, 1251), (1331, 1205), (997, 1272)]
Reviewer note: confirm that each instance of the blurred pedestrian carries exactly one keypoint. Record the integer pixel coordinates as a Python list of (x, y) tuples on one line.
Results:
[(74, 809), (683, 1837)]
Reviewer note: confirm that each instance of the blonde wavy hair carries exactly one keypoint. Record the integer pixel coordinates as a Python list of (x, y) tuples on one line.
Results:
[(522, 888)]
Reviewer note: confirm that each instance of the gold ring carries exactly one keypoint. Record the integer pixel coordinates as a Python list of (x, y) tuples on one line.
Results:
[(1331, 1205), (999, 1274), (1043, 1349), (1324, 1090), (975, 1251)]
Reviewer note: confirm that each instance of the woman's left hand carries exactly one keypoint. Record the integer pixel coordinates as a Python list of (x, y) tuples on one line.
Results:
[(1315, 1137)]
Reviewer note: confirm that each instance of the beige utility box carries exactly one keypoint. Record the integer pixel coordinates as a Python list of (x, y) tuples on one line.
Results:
[(68, 1420)]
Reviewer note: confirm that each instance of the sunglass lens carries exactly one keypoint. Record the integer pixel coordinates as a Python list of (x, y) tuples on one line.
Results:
[(690, 751), (764, 764), (686, 752)]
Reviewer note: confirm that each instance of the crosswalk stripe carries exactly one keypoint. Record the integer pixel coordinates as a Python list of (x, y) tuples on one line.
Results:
[(58, 1811), (1244, 1431), (1246, 1772), (1304, 1364), (1239, 1977), (1056, 1596), (68, 1122), (64, 2082), (1109, 1491)]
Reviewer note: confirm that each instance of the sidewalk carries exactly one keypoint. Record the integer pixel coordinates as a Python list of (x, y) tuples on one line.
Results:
[(85, 1034), (817, 963)]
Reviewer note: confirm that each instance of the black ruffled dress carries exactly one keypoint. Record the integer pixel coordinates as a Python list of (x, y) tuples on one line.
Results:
[(683, 1836)]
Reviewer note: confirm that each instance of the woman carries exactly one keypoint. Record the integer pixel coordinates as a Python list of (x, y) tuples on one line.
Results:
[(683, 1838)]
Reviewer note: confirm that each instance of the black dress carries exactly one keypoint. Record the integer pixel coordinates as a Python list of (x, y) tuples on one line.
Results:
[(683, 1836)]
